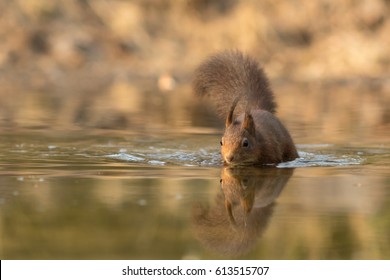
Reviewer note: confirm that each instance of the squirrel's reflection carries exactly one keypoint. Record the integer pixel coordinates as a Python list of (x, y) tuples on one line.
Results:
[(241, 210)]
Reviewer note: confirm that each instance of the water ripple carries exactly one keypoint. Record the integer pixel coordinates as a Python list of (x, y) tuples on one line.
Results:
[(307, 159), (213, 158)]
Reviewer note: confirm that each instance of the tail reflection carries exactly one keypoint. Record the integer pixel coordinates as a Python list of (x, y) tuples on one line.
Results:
[(241, 210)]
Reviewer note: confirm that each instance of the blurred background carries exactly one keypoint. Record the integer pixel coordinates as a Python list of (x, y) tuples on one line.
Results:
[(124, 64)]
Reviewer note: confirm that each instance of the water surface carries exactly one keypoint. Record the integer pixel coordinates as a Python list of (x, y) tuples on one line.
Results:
[(98, 194)]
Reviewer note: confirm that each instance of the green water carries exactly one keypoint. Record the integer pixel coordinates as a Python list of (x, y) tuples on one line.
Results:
[(164, 194)]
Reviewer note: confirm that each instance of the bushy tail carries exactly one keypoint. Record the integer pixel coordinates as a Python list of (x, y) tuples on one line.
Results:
[(230, 75)]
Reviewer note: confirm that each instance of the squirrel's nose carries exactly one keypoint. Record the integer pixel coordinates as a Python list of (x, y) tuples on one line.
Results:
[(229, 158)]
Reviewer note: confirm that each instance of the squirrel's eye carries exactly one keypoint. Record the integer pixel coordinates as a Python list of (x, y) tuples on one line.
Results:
[(221, 142), (245, 143)]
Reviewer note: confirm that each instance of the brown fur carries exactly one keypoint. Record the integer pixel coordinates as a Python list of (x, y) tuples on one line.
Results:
[(236, 83)]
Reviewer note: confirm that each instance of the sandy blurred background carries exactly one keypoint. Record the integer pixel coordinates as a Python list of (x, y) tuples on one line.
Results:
[(121, 64)]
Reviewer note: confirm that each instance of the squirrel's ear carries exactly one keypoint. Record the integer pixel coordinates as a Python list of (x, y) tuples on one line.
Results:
[(229, 118), (228, 206), (249, 124)]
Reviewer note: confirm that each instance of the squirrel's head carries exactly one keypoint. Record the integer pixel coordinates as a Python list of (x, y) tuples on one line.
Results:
[(238, 144)]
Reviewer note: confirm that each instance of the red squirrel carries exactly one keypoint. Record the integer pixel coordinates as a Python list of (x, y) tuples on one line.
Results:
[(241, 92)]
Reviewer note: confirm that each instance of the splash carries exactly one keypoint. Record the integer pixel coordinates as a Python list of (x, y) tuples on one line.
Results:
[(307, 159)]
